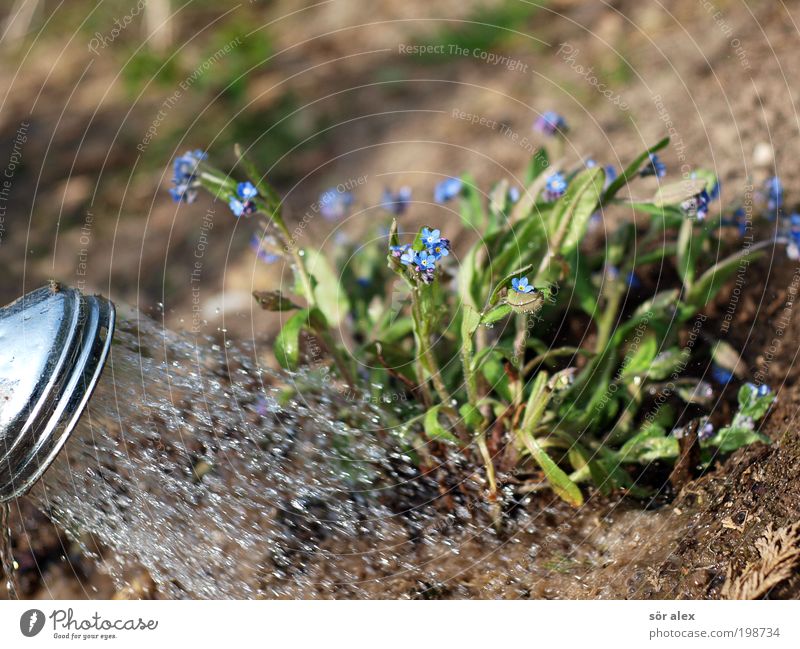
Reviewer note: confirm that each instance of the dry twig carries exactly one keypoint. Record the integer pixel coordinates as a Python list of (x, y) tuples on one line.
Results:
[(779, 552)]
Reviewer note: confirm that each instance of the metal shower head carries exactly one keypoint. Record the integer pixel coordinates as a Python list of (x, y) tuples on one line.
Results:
[(53, 345)]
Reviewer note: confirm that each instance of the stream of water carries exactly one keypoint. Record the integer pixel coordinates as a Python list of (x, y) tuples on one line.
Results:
[(7, 564), (222, 479)]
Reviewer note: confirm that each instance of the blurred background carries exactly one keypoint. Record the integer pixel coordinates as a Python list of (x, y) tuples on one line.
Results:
[(99, 97)]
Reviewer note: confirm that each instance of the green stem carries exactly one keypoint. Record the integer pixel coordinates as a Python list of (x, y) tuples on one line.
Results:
[(301, 272), (419, 365), (605, 325), (469, 377), (487, 462), (218, 182), (433, 370), (541, 358), (470, 380), (429, 364), (520, 340)]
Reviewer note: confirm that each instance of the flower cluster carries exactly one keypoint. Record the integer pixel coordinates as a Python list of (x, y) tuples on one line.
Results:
[(705, 430), (423, 261), (720, 374), (550, 123), (242, 204), (697, 205), (632, 280), (774, 191), (793, 237), (761, 390), (185, 176), (396, 202), (521, 285), (654, 167), (447, 190), (555, 187), (715, 191), (333, 204)]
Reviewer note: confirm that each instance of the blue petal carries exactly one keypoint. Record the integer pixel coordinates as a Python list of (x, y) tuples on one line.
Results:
[(246, 190), (237, 207)]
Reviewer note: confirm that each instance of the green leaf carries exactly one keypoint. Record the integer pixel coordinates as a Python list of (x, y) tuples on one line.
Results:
[(394, 238), (537, 402), (654, 256), (497, 313), (397, 330), (637, 362), (435, 430), (521, 244), (576, 207), (652, 449), (606, 469), (331, 298), (469, 278), (471, 415), (709, 283), (630, 449), (631, 171), (708, 176), (472, 212), (527, 200), (498, 203), (661, 305), (751, 405), (665, 364), (582, 460), (672, 215), (501, 351), (559, 481), (619, 243), (662, 218), (273, 301), (494, 372), (287, 343), (539, 163), (470, 321), (417, 244), (525, 302), (677, 192), (688, 251), (656, 312), (730, 438), (694, 391), (585, 291)]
